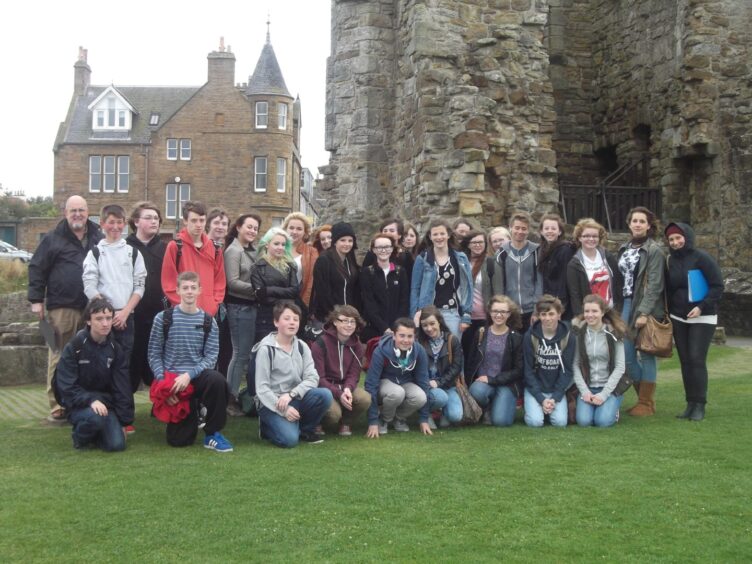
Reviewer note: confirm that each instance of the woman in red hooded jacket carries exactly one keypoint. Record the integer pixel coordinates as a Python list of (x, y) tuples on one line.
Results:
[(338, 357)]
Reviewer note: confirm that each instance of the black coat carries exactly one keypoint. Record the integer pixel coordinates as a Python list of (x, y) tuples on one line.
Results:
[(332, 285), (679, 264), (512, 363), (553, 267), (57, 267), (271, 285), (578, 284), (384, 299), (90, 371), (153, 253)]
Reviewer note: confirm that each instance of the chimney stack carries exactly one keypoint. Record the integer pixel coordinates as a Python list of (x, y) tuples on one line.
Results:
[(81, 73), (221, 65)]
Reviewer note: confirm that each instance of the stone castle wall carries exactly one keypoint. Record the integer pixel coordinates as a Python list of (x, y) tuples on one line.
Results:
[(438, 108)]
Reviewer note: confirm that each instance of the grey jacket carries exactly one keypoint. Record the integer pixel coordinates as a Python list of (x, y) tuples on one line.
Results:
[(605, 372), (522, 281), (287, 371), (648, 299), (238, 263)]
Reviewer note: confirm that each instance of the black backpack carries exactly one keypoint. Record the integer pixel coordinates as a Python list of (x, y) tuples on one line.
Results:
[(246, 396), (167, 323)]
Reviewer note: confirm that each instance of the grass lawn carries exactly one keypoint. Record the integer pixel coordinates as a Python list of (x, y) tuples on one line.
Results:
[(655, 489)]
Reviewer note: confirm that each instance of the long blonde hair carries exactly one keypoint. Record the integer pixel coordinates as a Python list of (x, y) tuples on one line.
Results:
[(282, 264)]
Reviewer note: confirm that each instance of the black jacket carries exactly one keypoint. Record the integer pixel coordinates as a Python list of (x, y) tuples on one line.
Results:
[(56, 269), (553, 267), (153, 253), (679, 264), (332, 285), (578, 284), (446, 371), (404, 259), (384, 299), (271, 285), (90, 371), (512, 363)]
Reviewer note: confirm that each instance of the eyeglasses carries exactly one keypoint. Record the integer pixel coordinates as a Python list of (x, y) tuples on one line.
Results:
[(389, 248), (78, 210), (474, 243), (347, 321), (589, 237), (497, 312)]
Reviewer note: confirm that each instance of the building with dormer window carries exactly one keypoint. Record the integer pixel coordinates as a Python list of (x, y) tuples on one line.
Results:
[(231, 145)]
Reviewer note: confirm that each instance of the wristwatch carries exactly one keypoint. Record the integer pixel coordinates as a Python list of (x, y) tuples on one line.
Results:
[(293, 394)]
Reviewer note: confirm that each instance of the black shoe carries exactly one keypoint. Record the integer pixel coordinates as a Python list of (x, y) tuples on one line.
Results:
[(698, 413), (311, 438), (687, 411)]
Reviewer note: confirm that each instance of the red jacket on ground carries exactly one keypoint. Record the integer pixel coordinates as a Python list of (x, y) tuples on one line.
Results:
[(207, 262), (161, 390)]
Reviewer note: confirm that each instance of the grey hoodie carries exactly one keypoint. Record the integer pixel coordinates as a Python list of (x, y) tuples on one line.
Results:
[(522, 281), (596, 343), (287, 371)]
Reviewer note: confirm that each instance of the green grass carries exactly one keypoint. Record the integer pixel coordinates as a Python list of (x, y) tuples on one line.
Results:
[(655, 489)]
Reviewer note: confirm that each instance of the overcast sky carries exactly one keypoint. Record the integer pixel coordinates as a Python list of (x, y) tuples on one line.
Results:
[(140, 43)]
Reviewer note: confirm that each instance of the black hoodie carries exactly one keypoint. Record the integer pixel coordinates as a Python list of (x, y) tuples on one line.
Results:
[(548, 367), (680, 262)]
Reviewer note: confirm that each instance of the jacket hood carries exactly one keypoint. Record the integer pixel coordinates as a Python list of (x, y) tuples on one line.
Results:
[(269, 341), (561, 332), (689, 238), (207, 246), (387, 346)]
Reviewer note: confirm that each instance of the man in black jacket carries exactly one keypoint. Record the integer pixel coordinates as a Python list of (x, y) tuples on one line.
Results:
[(92, 383), (55, 278), (144, 222)]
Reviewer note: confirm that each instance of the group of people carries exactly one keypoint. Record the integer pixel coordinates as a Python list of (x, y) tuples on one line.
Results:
[(549, 326)]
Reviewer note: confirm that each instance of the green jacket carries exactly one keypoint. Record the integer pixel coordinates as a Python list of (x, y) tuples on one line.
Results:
[(648, 299)]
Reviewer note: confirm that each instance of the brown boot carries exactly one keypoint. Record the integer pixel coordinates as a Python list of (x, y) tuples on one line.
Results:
[(636, 385), (646, 404)]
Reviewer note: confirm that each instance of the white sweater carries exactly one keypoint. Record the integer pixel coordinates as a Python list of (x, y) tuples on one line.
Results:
[(114, 276)]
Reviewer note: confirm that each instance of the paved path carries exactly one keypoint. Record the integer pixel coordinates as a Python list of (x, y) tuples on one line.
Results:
[(31, 403)]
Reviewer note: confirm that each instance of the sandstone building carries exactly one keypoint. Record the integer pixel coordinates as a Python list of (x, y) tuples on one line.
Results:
[(478, 107), (228, 145)]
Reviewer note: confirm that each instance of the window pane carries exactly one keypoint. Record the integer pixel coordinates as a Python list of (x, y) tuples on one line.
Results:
[(111, 118), (281, 174), (282, 116), (185, 149), (109, 174), (121, 118), (185, 192), (95, 174), (260, 176), (172, 149), (262, 111), (100, 118), (170, 200), (123, 173)]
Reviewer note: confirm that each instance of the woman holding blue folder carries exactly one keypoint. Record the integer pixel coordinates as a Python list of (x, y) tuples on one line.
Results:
[(693, 287)]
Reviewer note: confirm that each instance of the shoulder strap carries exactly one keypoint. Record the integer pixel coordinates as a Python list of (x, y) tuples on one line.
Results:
[(300, 347), (179, 245), (207, 329), (535, 342), (449, 348), (490, 268), (95, 252), (134, 254), (166, 323)]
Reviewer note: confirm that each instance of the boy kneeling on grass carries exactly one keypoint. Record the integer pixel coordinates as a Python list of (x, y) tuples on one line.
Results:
[(549, 352), (188, 355), (92, 382), (397, 380), (290, 403)]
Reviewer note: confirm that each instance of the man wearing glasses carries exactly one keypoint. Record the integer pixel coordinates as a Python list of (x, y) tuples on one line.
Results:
[(56, 280), (144, 222)]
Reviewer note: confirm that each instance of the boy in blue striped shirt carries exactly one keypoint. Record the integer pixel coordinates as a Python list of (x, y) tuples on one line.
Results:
[(191, 354)]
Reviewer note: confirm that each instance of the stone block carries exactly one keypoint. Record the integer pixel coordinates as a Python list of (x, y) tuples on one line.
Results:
[(470, 206), (23, 365), (435, 141), (471, 140), (475, 155)]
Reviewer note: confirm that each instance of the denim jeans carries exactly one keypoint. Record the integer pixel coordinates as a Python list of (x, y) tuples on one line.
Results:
[(452, 319), (502, 400), (242, 321), (286, 434), (603, 415), (92, 429), (534, 411), (644, 368), (448, 401)]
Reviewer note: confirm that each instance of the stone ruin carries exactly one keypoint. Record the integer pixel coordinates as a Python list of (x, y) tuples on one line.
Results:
[(478, 107)]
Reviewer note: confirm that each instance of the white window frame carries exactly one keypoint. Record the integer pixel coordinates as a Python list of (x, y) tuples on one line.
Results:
[(185, 149), (172, 149), (109, 173), (262, 117), (281, 175), (260, 176), (154, 119), (281, 115), (176, 195)]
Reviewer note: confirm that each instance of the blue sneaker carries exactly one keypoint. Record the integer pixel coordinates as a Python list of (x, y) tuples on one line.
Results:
[(217, 442)]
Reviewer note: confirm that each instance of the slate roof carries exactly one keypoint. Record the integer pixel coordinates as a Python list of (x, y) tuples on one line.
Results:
[(164, 100), (267, 77)]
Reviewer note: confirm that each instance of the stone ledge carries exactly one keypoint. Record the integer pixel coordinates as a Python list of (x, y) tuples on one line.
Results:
[(23, 365)]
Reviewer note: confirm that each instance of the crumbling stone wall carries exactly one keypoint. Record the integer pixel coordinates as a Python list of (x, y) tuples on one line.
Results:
[(438, 108)]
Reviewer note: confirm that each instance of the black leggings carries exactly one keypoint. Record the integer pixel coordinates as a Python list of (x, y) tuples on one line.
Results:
[(692, 343)]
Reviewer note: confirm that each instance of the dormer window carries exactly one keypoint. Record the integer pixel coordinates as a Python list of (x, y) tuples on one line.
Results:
[(110, 111)]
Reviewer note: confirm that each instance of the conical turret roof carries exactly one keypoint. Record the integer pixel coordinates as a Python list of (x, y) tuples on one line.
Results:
[(267, 77)]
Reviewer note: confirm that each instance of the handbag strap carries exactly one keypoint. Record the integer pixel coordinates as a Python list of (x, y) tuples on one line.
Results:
[(645, 286)]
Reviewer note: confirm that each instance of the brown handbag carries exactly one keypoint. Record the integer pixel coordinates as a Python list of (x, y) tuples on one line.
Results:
[(656, 337), (471, 411)]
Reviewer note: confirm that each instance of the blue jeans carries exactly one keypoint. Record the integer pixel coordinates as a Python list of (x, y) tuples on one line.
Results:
[(603, 415), (534, 411), (448, 401), (242, 321), (502, 399), (452, 319), (644, 368), (286, 434), (92, 429)]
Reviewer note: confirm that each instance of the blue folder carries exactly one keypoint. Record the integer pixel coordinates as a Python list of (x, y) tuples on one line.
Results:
[(698, 286)]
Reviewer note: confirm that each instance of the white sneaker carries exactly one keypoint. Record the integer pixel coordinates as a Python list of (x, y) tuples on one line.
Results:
[(431, 424), (400, 425), (383, 428)]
